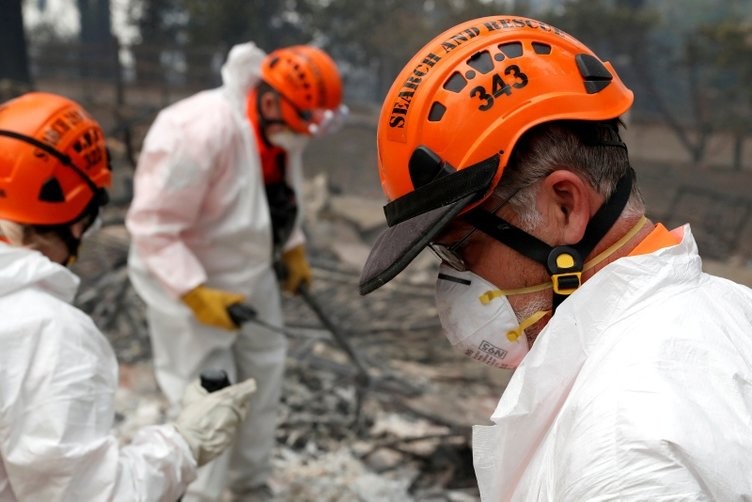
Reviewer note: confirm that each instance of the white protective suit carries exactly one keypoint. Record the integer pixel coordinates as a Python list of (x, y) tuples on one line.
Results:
[(639, 388), (58, 377), (200, 216)]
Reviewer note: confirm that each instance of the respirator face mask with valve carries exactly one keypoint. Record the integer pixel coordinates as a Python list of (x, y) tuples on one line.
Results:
[(478, 319)]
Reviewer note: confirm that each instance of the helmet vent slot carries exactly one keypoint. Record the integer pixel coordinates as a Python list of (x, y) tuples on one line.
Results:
[(512, 49), (51, 191), (594, 73), (541, 48), (455, 83), (481, 61), (437, 112)]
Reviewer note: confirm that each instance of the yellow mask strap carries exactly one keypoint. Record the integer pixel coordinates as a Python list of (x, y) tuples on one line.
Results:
[(616, 245), (489, 295), (514, 334)]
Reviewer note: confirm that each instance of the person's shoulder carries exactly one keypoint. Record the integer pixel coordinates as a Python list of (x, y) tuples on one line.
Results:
[(206, 114), (200, 125), (646, 377), (728, 289), (34, 305), (48, 334), (56, 354), (206, 97), (634, 406)]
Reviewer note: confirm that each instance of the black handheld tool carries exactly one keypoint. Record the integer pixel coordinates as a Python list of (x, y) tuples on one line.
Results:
[(213, 380), (240, 313)]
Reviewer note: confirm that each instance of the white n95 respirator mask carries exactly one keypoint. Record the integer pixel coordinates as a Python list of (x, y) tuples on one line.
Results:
[(478, 319)]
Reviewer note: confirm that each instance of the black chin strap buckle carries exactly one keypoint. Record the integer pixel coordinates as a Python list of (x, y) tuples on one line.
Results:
[(565, 266)]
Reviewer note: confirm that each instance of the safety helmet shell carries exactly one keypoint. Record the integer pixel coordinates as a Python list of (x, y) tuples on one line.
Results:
[(308, 81), (54, 164), (473, 90)]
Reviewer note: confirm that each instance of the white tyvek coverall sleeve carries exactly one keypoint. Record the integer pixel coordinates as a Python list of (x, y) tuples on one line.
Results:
[(639, 388), (190, 153), (170, 188), (58, 377)]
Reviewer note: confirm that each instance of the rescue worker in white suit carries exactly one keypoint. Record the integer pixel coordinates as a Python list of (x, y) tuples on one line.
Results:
[(204, 236), (633, 367), (58, 373)]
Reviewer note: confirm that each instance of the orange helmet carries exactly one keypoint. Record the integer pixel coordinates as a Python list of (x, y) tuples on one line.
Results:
[(53, 160), (453, 115), (308, 82)]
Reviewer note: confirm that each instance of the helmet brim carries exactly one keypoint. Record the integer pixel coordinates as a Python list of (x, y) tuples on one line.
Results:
[(417, 217), (397, 246)]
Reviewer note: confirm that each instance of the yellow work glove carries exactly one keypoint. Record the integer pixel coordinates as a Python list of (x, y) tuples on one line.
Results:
[(297, 270), (210, 306)]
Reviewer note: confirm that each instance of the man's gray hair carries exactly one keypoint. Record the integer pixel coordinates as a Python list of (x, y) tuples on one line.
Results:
[(591, 149)]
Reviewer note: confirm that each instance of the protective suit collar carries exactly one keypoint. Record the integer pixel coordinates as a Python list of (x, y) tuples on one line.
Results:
[(22, 268), (543, 381)]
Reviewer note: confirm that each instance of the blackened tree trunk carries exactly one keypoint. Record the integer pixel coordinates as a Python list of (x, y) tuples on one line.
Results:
[(14, 61), (96, 39)]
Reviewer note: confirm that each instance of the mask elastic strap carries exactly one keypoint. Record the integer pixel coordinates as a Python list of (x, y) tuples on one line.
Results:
[(72, 243), (616, 245), (514, 334), (492, 294)]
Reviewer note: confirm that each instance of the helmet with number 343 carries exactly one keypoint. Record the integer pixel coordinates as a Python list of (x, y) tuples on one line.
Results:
[(454, 113)]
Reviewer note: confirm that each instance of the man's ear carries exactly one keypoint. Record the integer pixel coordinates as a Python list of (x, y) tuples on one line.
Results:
[(269, 105), (568, 201), (77, 229)]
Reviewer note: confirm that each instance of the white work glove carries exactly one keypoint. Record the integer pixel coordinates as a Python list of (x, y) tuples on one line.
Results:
[(208, 421)]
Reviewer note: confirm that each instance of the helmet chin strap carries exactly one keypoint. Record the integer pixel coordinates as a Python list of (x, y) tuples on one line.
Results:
[(71, 242), (564, 263), (65, 233)]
